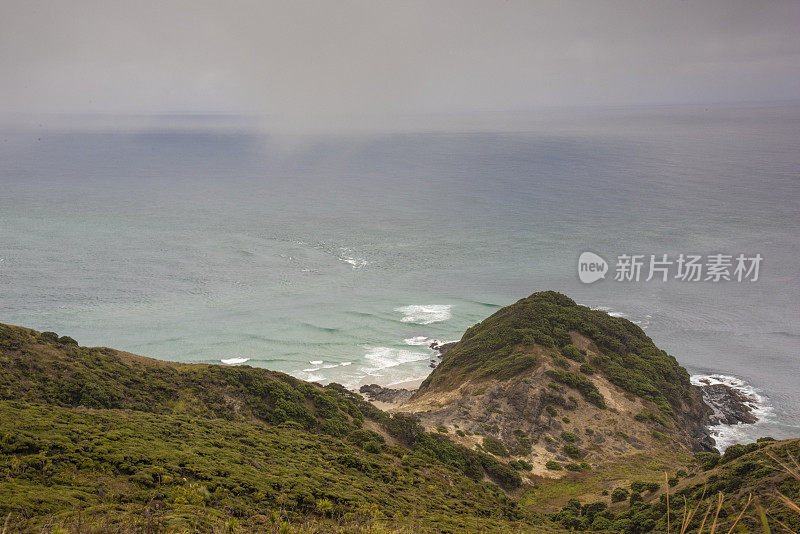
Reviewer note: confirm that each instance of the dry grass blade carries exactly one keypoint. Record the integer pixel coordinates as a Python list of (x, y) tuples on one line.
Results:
[(708, 511), (716, 515), (685, 512), (5, 525), (790, 531), (738, 517), (788, 502), (795, 473), (688, 520)]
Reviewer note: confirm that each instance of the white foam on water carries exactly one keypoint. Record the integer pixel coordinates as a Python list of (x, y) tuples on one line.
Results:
[(418, 340), (235, 361), (315, 362), (345, 364), (346, 255), (308, 375), (425, 313), (380, 358), (727, 435)]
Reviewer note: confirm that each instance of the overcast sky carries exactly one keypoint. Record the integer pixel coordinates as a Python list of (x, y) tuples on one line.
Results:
[(298, 58)]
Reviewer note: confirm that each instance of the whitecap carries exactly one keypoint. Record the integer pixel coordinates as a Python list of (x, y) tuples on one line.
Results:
[(235, 361), (346, 255), (425, 313), (315, 362), (418, 340), (311, 369), (345, 364), (381, 358)]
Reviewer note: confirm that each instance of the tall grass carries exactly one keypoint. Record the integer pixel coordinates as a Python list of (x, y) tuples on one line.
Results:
[(763, 516)]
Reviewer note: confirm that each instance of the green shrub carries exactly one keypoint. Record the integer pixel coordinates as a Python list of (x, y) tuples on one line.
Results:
[(524, 446), (573, 353), (583, 385), (441, 429), (372, 447), (551, 410), (494, 446), (553, 465), (568, 436), (572, 451), (361, 437), (619, 495), (658, 435), (586, 369), (526, 466), (707, 460), (49, 337)]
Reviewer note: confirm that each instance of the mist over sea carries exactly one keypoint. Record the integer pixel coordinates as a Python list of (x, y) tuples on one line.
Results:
[(340, 257)]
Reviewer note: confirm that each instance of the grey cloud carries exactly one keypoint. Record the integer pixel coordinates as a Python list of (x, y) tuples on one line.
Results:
[(308, 59)]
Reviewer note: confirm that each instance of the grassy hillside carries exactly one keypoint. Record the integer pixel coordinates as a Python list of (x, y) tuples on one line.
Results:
[(499, 347), (96, 440), (98, 437)]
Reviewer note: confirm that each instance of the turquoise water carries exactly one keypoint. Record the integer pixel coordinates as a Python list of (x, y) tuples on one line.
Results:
[(340, 257)]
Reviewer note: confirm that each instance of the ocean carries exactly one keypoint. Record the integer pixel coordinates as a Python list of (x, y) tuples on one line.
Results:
[(342, 256)]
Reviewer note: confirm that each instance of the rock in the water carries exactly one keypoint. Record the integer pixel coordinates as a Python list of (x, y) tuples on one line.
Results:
[(442, 349), (731, 406)]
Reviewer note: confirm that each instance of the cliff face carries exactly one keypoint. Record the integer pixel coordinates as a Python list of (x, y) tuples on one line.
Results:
[(554, 381)]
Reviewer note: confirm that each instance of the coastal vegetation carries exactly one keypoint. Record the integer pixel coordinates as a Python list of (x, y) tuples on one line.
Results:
[(94, 440), (503, 345), (100, 436)]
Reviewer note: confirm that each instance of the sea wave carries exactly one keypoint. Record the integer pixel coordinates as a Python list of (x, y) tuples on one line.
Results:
[(425, 313), (346, 255), (727, 435), (235, 361), (418, 341), (380, 358)]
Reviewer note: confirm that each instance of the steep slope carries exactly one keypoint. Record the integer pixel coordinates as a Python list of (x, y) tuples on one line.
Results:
[(545, 380)]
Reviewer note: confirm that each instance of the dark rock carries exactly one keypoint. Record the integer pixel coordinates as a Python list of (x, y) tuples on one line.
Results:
[(443, 348), (730, 406)]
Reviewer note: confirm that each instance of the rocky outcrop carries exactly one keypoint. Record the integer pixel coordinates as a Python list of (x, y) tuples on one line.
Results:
[(374, 392), (730, 406)]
